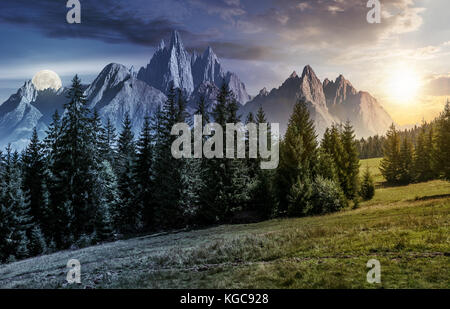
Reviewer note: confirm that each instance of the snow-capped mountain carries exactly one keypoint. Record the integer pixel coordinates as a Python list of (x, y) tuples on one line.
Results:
[(279, 103), (170, 65), (19, 115), (194, 73), (115, 92), (329, 102), (119, 90)]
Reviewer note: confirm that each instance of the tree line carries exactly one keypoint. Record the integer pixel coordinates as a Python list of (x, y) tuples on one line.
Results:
[(84, 183), (373, 146), (418, 157)]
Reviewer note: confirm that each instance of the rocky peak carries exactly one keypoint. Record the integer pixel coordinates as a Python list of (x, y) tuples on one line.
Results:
[(161, 45), (175, 41), (28, 92), (311, 87), (293, 75), (263, 92), (338, 91)]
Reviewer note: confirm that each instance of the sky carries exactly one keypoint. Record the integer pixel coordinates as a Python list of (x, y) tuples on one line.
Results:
[(403, 61)]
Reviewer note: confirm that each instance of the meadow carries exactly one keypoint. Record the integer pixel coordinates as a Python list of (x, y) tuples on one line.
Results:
[(407, 228)]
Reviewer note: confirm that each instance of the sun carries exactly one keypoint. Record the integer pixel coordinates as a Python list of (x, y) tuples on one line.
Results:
[(404, 85)]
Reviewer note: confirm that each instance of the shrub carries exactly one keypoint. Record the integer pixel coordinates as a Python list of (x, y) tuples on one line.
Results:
[(367, 190), (327, 197)]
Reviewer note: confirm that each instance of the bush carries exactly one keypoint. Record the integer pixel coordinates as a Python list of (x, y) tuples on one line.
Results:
[(367, 190), (327, 197), (299, 198)]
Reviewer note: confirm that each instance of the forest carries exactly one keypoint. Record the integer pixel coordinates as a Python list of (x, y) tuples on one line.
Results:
[(85, 184)]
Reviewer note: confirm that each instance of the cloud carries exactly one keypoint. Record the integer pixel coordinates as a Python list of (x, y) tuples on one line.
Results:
[(108, 21), (438, 85), (245, 29)]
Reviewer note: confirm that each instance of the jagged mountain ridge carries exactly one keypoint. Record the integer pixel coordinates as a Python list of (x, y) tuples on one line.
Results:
[(328, 102), (115, 92), (195, 74), (118, 90)]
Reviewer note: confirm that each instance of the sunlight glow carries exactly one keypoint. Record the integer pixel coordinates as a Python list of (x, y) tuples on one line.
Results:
[(404, 85)]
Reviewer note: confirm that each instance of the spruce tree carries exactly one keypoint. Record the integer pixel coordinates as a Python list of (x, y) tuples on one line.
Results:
[(367, 190), (128, 215), (391, 162), (423, 168), (143, 172), (406, 162), (16, 220), (108, 141), (167, 170), (298, 162), (108, 200), (351, 166), (73, 171), (34, 179), (442, 149)]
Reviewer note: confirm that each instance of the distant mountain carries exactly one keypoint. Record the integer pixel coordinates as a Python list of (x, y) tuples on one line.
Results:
[(364, 112), (195, 74), (115, 92), (118, 90), (279, 103), (329, 102), (19, 115), (169, 65)]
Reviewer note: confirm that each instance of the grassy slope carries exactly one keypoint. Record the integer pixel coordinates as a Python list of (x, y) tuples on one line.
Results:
[(406, 228)]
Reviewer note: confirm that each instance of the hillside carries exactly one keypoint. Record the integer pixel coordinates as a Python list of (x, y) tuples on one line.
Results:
[(406, 228)]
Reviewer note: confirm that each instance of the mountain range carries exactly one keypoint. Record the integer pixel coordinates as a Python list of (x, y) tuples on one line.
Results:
[(118, 90)]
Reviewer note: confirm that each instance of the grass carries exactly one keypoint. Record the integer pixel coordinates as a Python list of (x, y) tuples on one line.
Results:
[(406, 228)]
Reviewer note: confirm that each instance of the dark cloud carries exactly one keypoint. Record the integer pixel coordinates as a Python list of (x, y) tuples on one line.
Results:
[(107, 20), (246, 29)]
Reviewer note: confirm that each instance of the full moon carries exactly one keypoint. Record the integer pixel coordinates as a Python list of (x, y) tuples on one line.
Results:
[(46, 79)]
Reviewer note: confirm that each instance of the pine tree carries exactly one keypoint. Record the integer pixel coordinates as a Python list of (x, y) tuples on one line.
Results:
[(73, 171), (108, 201), (16, 220), (406, 162), (442, 150), (298, 162), (262, 197), (390, 165), (129, 215), (143, 172), (51, 141), (34, 180), (108, 141), (167, 170), (351, 165), (367, 190), (423, 169)]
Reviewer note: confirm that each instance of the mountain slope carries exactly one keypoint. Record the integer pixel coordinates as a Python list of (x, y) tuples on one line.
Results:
[(169, 66), (329, 102), (173, 65), (115, 92), (360, 108), (279, 103)]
